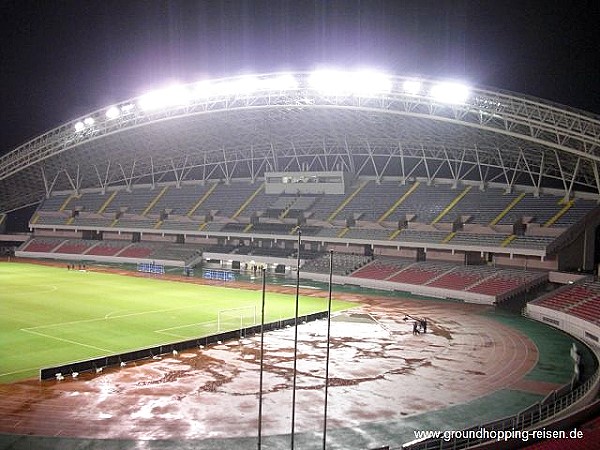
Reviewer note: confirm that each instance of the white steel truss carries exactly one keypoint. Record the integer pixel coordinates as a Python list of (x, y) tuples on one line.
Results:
[(490, 137)]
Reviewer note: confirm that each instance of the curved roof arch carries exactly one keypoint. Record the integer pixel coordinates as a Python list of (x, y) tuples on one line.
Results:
[(365, 123)]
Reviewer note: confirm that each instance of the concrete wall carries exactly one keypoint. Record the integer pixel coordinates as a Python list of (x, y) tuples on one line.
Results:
[(441, 255), (527, 262), (572, 257), (564, 278), (581, 329), (58, 233), (109, 235)]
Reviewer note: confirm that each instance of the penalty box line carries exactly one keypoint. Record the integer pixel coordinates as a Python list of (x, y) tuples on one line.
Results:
[(106, 317), (30, 369), (178, 327), (26, 330)]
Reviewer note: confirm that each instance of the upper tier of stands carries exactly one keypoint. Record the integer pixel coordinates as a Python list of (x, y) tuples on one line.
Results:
[(425, 202), (180, 200), (369, 210)]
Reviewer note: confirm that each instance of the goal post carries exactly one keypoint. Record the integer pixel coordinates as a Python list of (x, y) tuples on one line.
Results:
[(236, 318)]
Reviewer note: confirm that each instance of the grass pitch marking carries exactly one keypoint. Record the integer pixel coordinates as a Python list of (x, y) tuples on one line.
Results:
[(51, 288), (106, 317), (198, 325), (28, 330), (302, 287), (18, 371)]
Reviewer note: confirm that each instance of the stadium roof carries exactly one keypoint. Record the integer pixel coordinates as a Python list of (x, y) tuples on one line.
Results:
[(366, 123)]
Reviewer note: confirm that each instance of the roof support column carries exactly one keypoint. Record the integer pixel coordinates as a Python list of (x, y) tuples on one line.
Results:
[(424, 159), (48, 188), (596, 175), (351, 162), (402, 168), (75, 183), (536, 192), (568, 193), (452, 171), (481, 177), (152, 172), (562, 173), (514, 175), (539, 181), (128, 179), (103, 182)]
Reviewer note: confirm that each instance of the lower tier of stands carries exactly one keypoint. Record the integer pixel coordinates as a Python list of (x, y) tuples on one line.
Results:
[(435, 278), (343, 264), (579, 300), (111, 248), (477, 279)]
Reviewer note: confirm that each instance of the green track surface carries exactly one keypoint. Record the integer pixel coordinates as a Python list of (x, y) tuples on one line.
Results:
[(554, 364), (51, 316)]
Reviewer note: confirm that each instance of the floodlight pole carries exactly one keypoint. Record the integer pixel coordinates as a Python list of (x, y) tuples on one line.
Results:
[(295, 344), (262, 346), (327, 354)]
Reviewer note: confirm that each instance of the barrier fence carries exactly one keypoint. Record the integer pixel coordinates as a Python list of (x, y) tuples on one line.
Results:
[(151, 268), (221, 275)]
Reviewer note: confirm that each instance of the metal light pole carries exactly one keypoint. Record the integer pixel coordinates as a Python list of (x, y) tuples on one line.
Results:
[(262, 346), (327, 354), (295, 344)]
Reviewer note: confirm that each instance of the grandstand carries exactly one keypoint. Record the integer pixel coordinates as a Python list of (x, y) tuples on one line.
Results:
[(438, 190), (483, 198)]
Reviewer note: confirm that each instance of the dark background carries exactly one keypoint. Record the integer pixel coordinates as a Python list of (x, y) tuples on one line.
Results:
[(63, 59)]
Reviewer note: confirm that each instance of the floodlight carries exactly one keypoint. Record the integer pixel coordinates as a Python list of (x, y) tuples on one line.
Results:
[(126, 109), (284, 82), (370, 82), (203, 90), (454, 93), (79, 126), (88, 121), (330, 82), (113, 112), (151, 100), (175, 95), (245, 85), (412, 87)]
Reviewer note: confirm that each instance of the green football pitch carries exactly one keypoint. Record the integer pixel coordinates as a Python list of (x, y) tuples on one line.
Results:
[(51, 316)]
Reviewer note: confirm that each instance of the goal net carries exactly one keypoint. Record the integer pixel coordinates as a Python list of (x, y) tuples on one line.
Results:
[(236, 318)]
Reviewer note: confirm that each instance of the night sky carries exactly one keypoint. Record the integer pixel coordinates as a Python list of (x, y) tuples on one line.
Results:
[(62, 59)]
